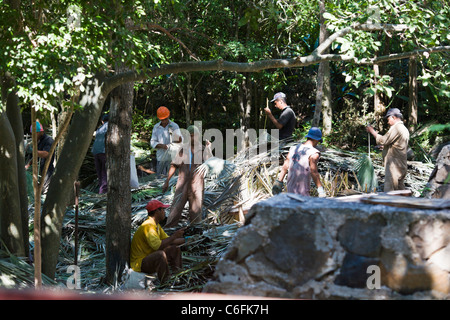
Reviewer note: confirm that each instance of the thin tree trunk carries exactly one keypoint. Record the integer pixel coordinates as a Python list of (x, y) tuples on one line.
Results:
[(413, 99), (327, 111), (188, 99), (242, 119), (378, 105), (10, 219), (118, 209), (37, 207), (15, 119), (323, 94)]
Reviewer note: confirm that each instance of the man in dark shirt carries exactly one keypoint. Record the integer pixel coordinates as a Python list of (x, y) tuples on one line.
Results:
[(287, 120), (44, 145)]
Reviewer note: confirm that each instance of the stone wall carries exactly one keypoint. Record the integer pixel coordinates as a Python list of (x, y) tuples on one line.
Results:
[(438, 186), (296, 247)]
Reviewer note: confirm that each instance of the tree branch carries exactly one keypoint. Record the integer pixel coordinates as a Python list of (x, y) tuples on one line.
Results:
[(405, 55), (167, 33), (386, 58), (214, 65), (358, 27), (314, 58)]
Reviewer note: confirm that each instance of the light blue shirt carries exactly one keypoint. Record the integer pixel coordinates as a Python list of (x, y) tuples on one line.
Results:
[(99, 143)]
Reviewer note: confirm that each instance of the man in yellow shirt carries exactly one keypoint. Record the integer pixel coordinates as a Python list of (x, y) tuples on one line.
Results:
[(152, 250)]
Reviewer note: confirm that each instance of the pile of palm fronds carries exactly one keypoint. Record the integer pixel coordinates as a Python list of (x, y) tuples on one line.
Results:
[(200, 254), (16, 273), (235, 184)]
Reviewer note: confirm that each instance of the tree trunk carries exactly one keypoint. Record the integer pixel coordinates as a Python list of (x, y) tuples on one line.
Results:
[(118, 209), (413, 99), (378, 105), (37, 206), (327, 110), (187, 99), (15, 119), (78, 140), (244, 97), (10, 218), (323, 94)]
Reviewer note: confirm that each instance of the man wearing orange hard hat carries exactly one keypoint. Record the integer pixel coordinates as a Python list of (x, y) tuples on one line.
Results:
[(165, 134)]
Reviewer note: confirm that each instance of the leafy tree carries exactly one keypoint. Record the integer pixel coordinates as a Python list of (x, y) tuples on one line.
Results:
[(422, 29)]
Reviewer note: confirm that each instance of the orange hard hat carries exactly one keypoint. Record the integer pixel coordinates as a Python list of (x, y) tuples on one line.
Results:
[(162, 113)]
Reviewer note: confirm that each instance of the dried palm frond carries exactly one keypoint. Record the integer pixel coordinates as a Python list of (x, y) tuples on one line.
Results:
[(16, 273), (216, 168)]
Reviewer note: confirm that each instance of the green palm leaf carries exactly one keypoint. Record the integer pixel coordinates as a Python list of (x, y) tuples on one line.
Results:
[(366, 174)]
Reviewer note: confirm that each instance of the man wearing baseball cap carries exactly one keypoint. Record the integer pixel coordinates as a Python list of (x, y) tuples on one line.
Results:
[(301, 166), (287, 120), (164, 134), (152, 250), (395, 148), (44, 144)]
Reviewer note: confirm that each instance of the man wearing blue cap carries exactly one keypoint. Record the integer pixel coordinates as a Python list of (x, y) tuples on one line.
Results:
[(287, 120), (301, 166)]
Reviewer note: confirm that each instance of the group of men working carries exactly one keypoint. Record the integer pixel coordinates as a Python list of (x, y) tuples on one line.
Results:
[(152, 250)]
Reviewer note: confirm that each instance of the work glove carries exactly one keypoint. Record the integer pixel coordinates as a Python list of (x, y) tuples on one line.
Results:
[(277, 187), (321, 192)]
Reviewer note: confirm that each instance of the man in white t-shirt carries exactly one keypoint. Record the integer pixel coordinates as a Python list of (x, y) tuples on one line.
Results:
[(165, 133)]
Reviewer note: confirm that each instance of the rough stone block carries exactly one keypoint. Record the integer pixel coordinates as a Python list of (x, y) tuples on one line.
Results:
[(303, 247)]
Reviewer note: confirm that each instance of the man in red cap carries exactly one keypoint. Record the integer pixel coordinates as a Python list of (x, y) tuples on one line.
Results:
[(152, 250), (164, 134)]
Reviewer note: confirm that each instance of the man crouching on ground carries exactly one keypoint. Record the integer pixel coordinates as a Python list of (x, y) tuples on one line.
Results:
[(152, 250)]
